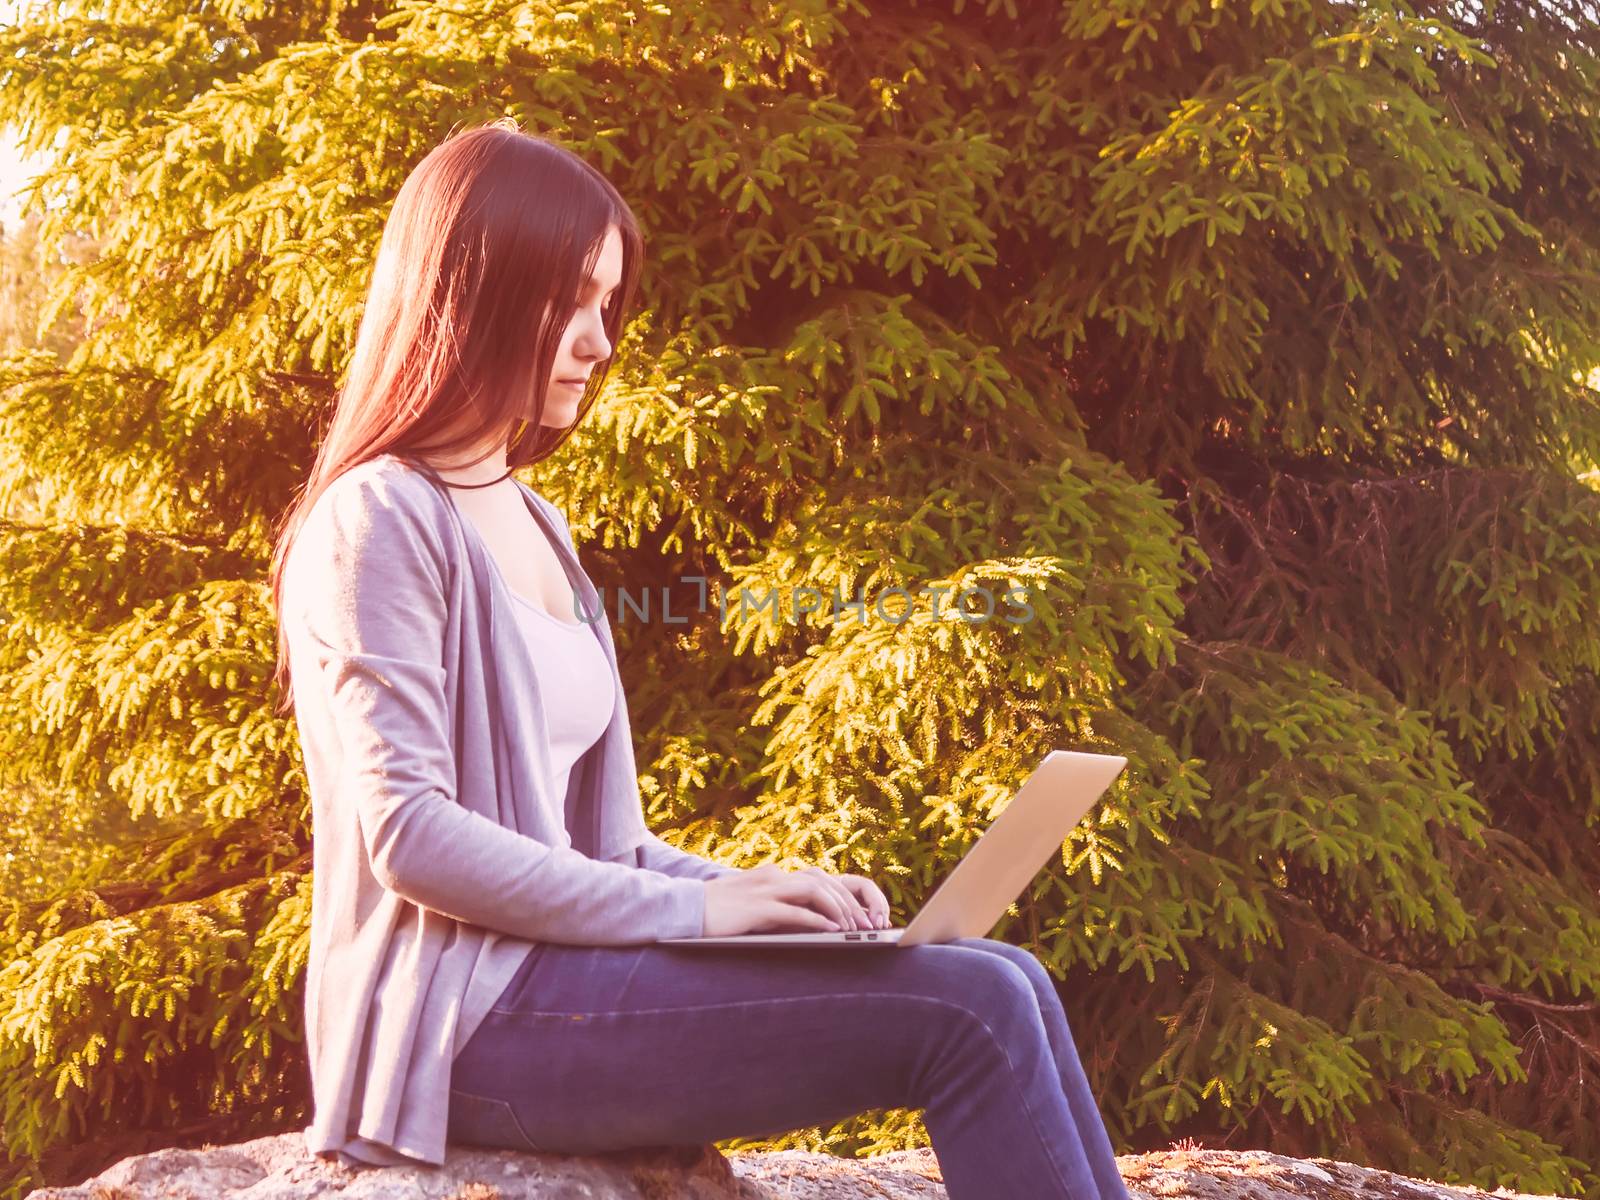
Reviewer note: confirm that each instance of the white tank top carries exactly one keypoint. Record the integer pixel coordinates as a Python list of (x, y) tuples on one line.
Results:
[(575, 689)]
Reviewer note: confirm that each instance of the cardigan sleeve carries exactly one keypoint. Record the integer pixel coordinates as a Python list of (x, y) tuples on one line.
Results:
[(366, 609), (657, 855)]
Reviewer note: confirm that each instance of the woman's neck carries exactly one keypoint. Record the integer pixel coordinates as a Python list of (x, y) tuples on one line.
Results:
[(461, 471)]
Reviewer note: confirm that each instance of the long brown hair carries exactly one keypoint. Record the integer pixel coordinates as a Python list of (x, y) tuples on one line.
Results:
[(490, 238)]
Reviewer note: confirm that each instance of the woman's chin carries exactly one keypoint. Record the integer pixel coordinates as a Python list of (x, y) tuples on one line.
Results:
[(558, 414)]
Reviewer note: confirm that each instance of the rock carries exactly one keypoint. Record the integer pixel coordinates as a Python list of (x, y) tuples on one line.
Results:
[(1262, 1175), (278, 1168)]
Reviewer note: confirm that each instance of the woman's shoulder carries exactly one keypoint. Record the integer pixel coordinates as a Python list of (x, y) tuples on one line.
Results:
[(368, 561), (387, 476), (379, 502), (382, 483)]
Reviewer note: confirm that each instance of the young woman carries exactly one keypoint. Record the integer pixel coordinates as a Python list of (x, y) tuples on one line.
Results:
[(486, 896)]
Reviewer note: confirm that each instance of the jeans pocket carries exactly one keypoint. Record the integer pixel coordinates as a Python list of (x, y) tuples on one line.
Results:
[(571, 978), (486, 1121)]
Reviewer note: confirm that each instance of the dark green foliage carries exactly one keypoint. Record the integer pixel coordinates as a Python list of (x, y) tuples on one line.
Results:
[(1257, 343)]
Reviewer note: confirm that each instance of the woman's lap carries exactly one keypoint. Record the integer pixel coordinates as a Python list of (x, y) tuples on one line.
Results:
[(600, 1047)]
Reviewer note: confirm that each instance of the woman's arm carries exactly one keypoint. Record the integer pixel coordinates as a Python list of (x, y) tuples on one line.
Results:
[(657, 855), (365, 607)]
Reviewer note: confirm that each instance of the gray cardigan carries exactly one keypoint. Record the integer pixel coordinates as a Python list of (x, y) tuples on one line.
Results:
[(436, 863)]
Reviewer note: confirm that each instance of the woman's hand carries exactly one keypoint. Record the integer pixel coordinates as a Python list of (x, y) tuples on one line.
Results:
[(864, 904), (769, 899)]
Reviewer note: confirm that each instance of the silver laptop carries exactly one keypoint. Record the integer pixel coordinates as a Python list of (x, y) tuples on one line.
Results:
[(993, 872)]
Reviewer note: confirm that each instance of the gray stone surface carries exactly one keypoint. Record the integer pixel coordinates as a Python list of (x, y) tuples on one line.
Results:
[(278, 1168)]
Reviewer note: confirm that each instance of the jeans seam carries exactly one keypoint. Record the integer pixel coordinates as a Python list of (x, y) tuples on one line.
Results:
[(629, 1012), (999, 1045)]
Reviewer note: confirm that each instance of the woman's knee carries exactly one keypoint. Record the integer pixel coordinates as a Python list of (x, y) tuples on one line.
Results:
[(1038, 974), (992, 989), (979, 1009)]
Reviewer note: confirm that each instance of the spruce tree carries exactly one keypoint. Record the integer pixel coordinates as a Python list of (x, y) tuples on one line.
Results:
[(1255, 343)]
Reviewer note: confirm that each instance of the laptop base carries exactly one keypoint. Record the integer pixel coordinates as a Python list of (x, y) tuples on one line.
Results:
[(832, 937)]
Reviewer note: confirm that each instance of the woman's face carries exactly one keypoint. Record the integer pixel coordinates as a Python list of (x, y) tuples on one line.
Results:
[(584, 343)]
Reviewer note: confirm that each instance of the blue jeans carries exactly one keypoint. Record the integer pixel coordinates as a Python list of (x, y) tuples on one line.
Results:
[(595, 1048)]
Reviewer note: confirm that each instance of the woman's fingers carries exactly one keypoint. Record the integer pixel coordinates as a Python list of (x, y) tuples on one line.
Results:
[(871, 897), (856, 916), (809, 888), (839, 902), (811, 921), (818, 899)]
